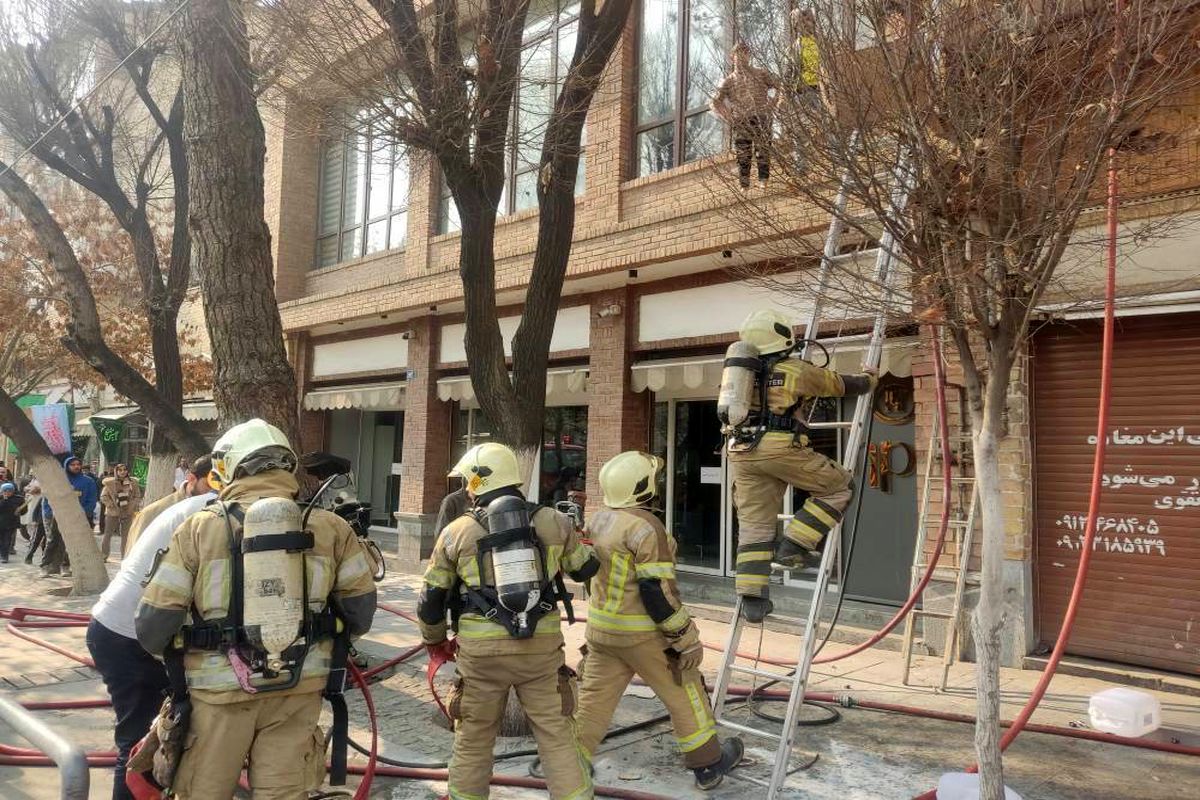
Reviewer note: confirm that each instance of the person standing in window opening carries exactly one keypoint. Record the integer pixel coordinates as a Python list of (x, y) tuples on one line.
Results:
[(745, 100), (805, 81), (769, 450), (637, 624), (120, 499)]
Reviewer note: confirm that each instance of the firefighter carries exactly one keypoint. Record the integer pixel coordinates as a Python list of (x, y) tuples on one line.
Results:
[(248, 670), (769, 451), (499, 569), (638, 626)]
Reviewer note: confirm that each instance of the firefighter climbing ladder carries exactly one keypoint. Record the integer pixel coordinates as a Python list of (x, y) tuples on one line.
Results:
[(958, 551), (855, 429)]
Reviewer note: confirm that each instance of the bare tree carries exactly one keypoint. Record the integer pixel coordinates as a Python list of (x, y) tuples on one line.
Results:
[(226, 150), (125, 146), (999, 118), (475, 86)]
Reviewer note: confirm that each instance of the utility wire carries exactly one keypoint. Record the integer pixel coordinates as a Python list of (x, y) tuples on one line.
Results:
[(79, 103)]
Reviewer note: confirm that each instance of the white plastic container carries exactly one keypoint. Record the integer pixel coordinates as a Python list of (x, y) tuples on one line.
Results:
[(1125, 712), (965, 786)]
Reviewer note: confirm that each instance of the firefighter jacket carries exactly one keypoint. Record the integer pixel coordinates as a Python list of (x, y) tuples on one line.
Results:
[(120, 497), (634, 596), (793, 382), (194, 576), (455, 562), (151, 512)]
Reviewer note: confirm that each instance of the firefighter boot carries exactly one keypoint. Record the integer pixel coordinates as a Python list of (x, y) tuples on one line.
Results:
[(756, 609), (790, 555), (710, 777)]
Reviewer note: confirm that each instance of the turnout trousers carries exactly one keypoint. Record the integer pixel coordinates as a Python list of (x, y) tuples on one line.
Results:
[(760, 479), (543, 686), (607, 671), (279, 735)]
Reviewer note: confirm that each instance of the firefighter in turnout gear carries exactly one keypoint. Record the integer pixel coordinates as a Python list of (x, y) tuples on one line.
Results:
[(769, 451), (638, 626), (498, 570), (248, 658)]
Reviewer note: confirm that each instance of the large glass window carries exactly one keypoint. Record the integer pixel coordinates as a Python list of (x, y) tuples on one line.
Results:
[(564, 454), (363, 201), (683, 55), (551, 29), (682, 47)]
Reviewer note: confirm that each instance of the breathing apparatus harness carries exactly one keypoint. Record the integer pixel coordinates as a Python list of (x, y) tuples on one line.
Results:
[(750, 433), (228, 635), (515, 582)]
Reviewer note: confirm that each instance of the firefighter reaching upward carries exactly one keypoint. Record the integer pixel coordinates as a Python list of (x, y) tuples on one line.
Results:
[(248, 659), (638, 626), (765, 396), (501, 563)]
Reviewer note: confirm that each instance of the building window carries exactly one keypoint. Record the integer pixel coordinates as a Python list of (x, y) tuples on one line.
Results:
[(683, 48), (551, 29), (363, 201), (564, 454)]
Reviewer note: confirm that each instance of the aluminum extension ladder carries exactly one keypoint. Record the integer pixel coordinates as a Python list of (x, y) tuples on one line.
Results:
[(856, 428), (960, 538)]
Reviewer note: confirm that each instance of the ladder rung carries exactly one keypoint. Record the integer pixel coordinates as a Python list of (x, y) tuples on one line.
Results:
[(746, 729), (820, 426), (934, 614), (853, 254), (762, 673)]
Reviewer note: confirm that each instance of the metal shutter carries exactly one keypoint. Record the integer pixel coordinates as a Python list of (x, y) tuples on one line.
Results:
[(1142, 601)]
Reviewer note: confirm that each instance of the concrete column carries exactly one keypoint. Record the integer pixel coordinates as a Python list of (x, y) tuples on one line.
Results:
[(617, 416)]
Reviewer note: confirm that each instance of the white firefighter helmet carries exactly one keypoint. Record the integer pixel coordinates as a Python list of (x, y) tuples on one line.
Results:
[(630, 479), (252, 447), (768, 330), (489, 466)]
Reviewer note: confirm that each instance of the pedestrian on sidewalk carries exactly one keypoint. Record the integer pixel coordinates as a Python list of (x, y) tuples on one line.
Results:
[(56, 558), (33, 519), (637, 625), (135, 680), (120, 500), (454, 505), (10, 518)]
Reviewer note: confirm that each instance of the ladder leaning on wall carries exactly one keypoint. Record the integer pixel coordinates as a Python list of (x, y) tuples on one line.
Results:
[(855, 428)]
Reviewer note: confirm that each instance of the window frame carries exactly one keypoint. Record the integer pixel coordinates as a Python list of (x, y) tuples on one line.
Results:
[(680, 115), (347, 140)]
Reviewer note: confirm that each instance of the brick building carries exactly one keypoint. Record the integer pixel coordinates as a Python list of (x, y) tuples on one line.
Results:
[(366, 247)]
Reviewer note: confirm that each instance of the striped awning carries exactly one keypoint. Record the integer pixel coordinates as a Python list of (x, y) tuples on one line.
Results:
[(561, 385), (369, 397)]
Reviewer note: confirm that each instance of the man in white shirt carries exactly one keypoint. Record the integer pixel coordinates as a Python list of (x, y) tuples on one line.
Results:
[(136, 680)]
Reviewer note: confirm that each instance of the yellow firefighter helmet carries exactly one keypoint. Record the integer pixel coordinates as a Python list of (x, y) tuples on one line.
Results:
[(256, 438), (630, 479), (489, 466), (768, 330)]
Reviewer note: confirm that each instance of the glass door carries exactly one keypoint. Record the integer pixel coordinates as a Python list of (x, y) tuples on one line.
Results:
[(688, 435)]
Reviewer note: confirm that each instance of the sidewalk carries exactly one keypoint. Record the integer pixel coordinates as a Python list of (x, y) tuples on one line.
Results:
[(864, 756)]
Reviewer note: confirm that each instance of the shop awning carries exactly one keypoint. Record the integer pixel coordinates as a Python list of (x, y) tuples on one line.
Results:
[(561, 385), (370, 397), (199, 412), (83, 426), (691, 375)]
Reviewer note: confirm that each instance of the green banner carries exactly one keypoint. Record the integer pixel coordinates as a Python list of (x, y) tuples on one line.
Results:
[(140, 469), (109, 432)]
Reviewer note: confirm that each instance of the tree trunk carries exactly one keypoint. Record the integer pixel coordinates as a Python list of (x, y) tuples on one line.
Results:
[(160, 480), (989, 617), (87, 565), (226, 152)]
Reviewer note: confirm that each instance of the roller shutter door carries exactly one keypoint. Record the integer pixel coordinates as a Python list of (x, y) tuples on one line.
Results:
[(1142, 601)]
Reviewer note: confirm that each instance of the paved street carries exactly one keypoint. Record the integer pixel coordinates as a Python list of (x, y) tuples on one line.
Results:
[(864, 755)]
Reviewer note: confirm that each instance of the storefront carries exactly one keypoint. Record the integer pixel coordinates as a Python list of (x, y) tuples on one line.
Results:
[(562, 460), (1140, 604)]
